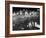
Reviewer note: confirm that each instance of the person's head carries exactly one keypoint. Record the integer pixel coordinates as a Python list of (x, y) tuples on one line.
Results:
[(26, 12), (17, 13), (20, 12)]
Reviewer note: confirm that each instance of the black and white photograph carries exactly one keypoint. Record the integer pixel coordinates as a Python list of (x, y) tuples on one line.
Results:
[(25, 18)]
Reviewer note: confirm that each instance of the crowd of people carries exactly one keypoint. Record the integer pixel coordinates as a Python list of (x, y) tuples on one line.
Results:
[(25, 20)]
